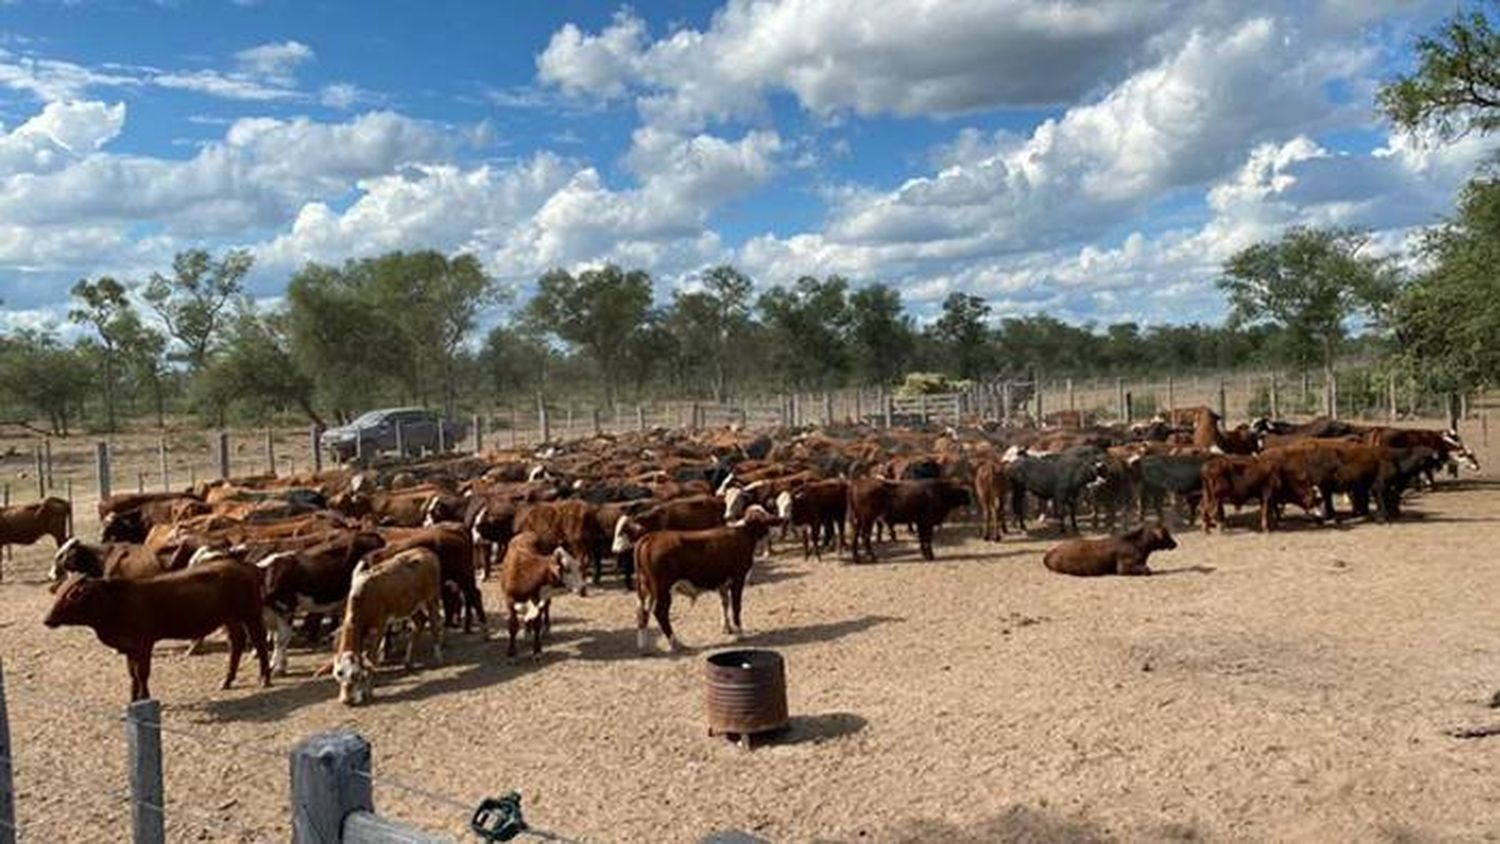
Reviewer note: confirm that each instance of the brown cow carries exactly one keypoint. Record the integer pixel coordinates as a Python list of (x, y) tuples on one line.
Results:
[(991, 491), (405, 585), (131, 616), (1238, 480), (529, 577), (568, 524), (454, 548), (24, 524), (925, 504), (113, 560), (819, 508), (692, 562), (312, 580), (1340, 465), (1125, 554), (697, 513)]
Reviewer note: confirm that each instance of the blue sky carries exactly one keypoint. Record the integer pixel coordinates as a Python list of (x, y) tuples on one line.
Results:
[(1090, 160)]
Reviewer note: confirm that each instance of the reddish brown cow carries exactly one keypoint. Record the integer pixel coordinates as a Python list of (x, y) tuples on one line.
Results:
[(451, 543), (131, 616), (692, 562), (568, 524), (1125, 554), (529, 577), (925, 504), (1339, 465), (1238, 480), (697, 513), (312, 580), (819, 509), (24, 524), (991, 491), (114, 560)]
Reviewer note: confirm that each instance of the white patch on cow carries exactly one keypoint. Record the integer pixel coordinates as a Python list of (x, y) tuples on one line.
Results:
[(57, 573), (734, 503), (1215, 449), (532, 610), (478, 520), (1012, 454), (537, 473), (572, 572), (784, 506), (754, 485), (622, 540), (205, 554), (578, 484), (428, 520), (724, 485), (642, 638)]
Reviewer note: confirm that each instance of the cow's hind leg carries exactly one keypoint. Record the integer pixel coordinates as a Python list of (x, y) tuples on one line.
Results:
[(736, 596), (642, 625), (255, 628), (724, 605), (236, 632), (663, 613)]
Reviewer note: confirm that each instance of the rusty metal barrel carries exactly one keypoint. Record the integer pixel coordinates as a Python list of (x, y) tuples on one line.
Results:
[(746, 693)]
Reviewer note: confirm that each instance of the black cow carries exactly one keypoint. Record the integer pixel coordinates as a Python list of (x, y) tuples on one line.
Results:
[(1157, 475), (1056, 478)]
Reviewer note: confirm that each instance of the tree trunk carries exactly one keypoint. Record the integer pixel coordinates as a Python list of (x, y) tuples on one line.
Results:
[(109, 390)]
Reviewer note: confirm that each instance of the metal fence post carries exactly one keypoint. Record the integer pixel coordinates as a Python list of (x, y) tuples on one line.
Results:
[(330, 779), (101, 465), (147, 796), (223, 449), (270, 454), (166, 471), (7, 783)]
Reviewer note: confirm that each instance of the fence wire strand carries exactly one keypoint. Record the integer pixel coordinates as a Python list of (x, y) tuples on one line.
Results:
[(453, 802)]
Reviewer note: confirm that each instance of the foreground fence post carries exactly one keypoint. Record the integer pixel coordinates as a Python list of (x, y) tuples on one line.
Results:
[(7, 783), (223, 449), (330, 779), (101, 464), (147, 795)]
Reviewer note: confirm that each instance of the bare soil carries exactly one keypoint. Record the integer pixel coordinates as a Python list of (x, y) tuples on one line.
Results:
[(1296, 686)]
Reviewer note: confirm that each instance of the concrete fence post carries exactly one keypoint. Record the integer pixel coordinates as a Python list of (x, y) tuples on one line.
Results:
[(7, 781), (223, 454), (101, 468), (147, 795), (270, 453), (330, 779)]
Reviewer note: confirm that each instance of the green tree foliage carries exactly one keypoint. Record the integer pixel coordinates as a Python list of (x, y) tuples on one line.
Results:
[(598, 312), (104, 306), (255, 370), (710, 326), (962, 335), (195, 301), (1447, 323), (1311, 282), (882, 341), (805, 328), (43, 378), (1456, 86)]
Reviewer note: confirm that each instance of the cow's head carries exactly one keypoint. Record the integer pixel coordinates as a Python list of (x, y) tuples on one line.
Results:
[(784, 506), (758, 519), (1013, 454), (356, 680), (123, 527), (623, 539), (568, 571), (1156, 537), (1459, 451), (80, 601), (735, 499), (76, 558)]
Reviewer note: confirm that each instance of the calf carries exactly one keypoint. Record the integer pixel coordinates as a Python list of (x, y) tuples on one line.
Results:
[(1125, 554), (24, 524), (131, 616), (692, 562), (990, 489), (569, 524), (925, 504), (407, 585), (451, 543), (819, 509), (312, 580), (529, 577)]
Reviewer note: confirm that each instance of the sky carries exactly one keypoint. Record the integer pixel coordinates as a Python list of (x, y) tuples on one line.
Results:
[(1095, 161)]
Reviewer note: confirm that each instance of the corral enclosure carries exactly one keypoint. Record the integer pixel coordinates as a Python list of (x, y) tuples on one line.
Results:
[(1299, 684)]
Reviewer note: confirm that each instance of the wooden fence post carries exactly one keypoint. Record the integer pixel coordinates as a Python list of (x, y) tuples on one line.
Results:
[(1333, 394), (827, 407), (47, 456), (1005, 402), (223, 455), (7, 782), (1223, 404), (1072, 403), (315, 438), (147, 796), (1040, 413), (330, 779), (570, 421), (922, 408), (594, 414), (477, 431), (400, 440), (1120, 400), (544, 425), (859, 406), (640, 416), (270, 453), (140, 481), (101, 467), (41, 476), (1390, 411), (1171, 396), (166, 470), (1275, 398), (442, 434)]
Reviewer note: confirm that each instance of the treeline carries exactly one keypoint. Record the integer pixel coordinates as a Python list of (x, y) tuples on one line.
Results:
[(406, 327)]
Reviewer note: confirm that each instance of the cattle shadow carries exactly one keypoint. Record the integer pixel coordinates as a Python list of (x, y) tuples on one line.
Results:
[(1020, 824), (620, 643), (816, 729), (1198, 569), (774, 573)]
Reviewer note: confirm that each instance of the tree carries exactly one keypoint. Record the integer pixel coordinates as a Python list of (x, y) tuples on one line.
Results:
[(881, 337), (1312, 282), (515, 359), (1456, 86), (255, 368), (350, 346), (1447, 320), (597, 312), (805, 327), (962, 334), (195, 301), (103, 305), (43, 376)]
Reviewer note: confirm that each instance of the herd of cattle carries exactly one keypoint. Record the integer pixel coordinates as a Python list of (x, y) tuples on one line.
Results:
[(673, 511)]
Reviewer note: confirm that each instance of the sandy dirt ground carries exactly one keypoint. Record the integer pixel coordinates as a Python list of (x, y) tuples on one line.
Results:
[(1296, 686)]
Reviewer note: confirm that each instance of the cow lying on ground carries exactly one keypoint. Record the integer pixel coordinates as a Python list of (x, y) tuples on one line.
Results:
[(24, 524), (407, 586), (131, 616), (924, 504), (692, 562), (529, 577), (1125, 554)]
